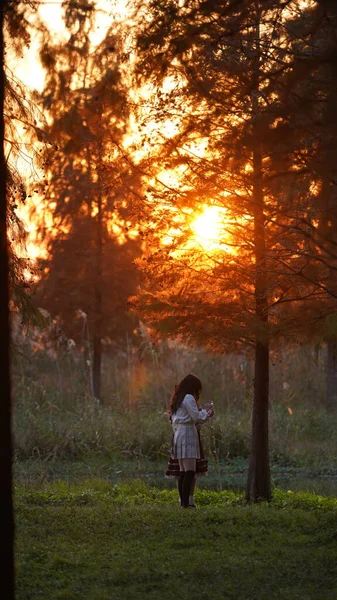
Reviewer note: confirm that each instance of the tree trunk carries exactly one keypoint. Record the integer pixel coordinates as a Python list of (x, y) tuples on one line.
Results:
[(6, 502), (327, 200), (331, 379), (97, 334), (258, 483)]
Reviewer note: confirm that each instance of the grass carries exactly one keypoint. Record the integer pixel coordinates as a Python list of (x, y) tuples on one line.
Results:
[(48, 429), (55, 417), (231, 474), (87, 530), (97, 542)]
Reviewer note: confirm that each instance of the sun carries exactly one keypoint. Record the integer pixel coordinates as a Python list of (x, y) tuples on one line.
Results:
[(208, 228)]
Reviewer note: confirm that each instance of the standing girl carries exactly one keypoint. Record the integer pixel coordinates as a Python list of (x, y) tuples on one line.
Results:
[(185, 415)]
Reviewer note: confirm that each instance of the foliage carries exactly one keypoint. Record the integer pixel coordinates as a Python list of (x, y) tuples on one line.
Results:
[(126, 542), (88, 186), (239, 142), (50, 433), (230, 69), (24, 141), (137, 492)]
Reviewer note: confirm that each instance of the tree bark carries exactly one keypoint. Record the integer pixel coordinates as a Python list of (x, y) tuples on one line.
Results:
[(97, 335), (258, 483), (331, 379), (6, 501), (327, 200)]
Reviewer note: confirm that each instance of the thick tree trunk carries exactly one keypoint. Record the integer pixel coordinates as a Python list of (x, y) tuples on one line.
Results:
[(327, 200), (97, 336), (258, 483), (6, 503), (331, 376)]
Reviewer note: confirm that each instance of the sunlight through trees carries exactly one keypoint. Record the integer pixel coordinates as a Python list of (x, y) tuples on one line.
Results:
[(185, 182)]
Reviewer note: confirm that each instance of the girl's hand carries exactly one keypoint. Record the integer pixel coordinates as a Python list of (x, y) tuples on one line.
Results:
[(210, 412), (209, 405)]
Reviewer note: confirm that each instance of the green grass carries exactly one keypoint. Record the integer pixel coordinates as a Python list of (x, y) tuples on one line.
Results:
[(231, 474), (94, 541), (52, 432), (81, 536)]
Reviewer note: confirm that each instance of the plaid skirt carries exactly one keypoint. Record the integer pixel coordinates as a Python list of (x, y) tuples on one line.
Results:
[(201, 463), (185, 441)]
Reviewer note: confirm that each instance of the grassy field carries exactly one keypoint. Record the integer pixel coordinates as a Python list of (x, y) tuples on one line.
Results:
[(95, 518), (231, 474), (95, 541)]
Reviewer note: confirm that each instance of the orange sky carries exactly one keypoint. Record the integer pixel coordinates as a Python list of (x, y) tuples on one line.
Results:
[(207, 225)]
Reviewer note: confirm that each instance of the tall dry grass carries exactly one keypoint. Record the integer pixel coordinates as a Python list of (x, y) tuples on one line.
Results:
[(55, 416)]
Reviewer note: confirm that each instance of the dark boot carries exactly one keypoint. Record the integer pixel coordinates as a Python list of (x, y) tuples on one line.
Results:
[(187, 484), (180, 486)]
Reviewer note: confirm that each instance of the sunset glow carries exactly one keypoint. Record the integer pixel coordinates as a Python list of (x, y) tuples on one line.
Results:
[(208, 228), (168, 213)]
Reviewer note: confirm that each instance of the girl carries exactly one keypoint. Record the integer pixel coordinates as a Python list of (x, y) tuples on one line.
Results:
[(185, 415)]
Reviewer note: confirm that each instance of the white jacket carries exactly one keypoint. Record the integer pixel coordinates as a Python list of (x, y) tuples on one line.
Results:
[(188, 412)]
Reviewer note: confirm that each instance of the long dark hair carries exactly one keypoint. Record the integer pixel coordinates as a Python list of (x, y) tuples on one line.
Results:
[(190, 384)]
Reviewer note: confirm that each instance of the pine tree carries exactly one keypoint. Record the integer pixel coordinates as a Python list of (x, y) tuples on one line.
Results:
[(238, 144), (324, 167), (13, 108), (90, 188), (7, 524), (315, 76), (23, 142)]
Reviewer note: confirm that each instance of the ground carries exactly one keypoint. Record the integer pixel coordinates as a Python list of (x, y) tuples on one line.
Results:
[(98, 541)]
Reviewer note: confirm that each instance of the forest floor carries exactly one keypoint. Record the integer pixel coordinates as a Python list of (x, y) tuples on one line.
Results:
[(94, 540)]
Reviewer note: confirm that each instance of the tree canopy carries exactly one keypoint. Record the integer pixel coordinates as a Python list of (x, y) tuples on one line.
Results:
[(236, 81), (90, 187), (185, 112)]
